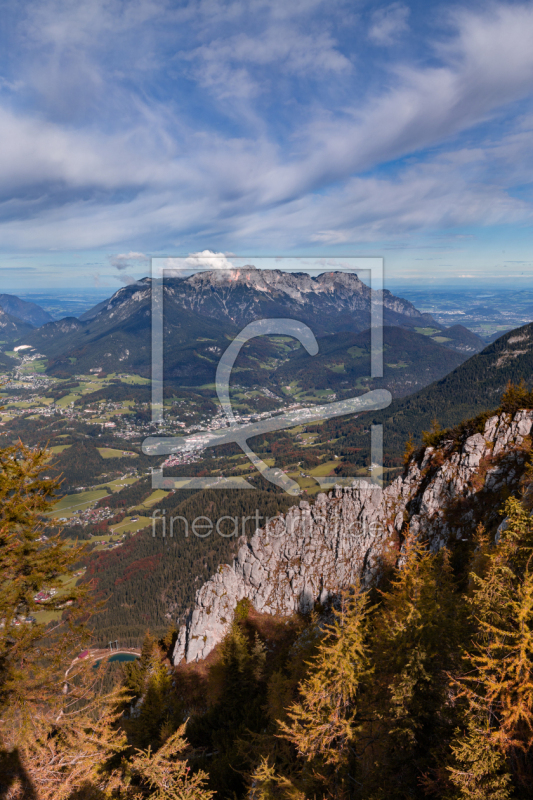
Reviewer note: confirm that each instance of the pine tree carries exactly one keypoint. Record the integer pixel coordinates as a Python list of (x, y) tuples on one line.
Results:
[(60, 734), (515, 397), (414, 642), (30, 566), (432, 437), (166, 776), (323, 723), (497, 686), (267, 784), (480, 772), (155, 701), (410, 448)]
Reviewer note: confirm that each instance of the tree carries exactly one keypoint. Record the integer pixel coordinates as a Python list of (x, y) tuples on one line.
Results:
[(414, 644), (155, 702), (60, 733), (33, 571), (410, 448), (515, 397), (497, 685), (480, 772), (324, 722), (432, 437), (165, 776)]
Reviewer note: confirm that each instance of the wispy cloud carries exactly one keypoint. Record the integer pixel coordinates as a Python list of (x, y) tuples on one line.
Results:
[(147, 126), (126, 260), (389, 23)]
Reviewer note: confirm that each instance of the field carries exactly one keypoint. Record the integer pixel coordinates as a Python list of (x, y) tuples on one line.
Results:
[(155, 497), (131, 379), (63, 402), (323, 469), (68, 505), (127, 526), (427, 331), (44, 617), (42, 401), (110, 452)]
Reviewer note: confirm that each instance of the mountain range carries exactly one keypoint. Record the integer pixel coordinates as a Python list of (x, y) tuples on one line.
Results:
[(204, 311), (331, 301)]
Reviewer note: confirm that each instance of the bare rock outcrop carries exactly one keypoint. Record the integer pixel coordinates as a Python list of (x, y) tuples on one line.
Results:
[(315, 550)]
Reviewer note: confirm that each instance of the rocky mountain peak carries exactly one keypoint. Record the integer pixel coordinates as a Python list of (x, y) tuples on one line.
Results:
[(241, 295), (309, 554), (295, 284)]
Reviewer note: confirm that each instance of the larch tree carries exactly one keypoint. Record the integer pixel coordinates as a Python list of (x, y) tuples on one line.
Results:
[(497, 685), (414, 643), (324, 722), (59, 732)]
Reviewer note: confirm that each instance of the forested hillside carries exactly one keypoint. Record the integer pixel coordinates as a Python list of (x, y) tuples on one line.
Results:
[(473, 387), (149, 582)]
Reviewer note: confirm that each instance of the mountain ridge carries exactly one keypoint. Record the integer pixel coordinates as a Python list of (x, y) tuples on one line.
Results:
[(472, 388), (12, 328), (314, 551), (198, 288), (24, 310), (115, 334)]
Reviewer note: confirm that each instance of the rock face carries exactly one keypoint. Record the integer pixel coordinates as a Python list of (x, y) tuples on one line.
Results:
[(314, 551), (243, 295), (247, 293)]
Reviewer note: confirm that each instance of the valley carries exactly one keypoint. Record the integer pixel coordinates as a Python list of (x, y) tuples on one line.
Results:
[(82, 388)]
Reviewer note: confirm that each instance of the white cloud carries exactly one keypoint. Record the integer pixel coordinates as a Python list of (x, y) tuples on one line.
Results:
[(263, 166), (295, 51), (490, 64), (124, 260), (389, 23), (453, 189), (207, 258)]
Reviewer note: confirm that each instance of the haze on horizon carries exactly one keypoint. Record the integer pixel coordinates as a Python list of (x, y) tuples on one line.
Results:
[(145, 128)]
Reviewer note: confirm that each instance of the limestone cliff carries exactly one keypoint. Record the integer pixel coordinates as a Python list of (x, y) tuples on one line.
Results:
[(313, 551)]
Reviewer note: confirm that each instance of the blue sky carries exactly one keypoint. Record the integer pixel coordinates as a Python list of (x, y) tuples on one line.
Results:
[(146, 127)]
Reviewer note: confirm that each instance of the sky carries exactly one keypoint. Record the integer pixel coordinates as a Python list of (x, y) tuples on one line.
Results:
[(321, 128)]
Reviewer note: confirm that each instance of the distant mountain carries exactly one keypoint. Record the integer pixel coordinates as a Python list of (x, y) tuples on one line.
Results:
[(203, 312), (31, 313), (497, 335), (331, 302), (470, 389), (12, 328), (6, 363), (328, 303), (55, 337), (119, 340)]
